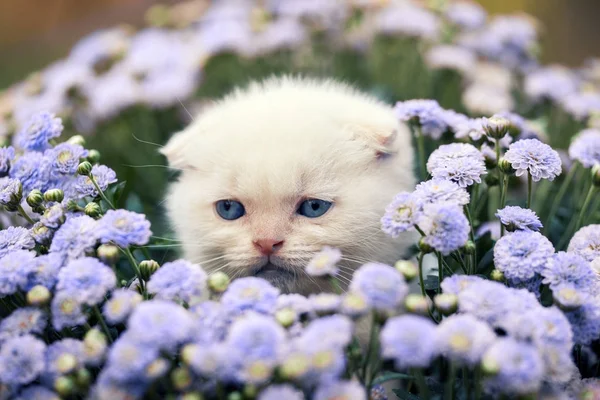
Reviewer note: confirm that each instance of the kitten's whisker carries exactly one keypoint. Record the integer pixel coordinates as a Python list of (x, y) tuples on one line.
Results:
[(145, 141), (186, 110)]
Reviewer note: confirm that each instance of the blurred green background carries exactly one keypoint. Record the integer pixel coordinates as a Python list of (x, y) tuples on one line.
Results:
[(35, 32)]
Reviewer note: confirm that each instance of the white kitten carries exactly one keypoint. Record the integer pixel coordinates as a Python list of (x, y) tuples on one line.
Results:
[(274, 172)]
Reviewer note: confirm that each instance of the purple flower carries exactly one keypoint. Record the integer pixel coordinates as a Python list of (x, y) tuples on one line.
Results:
[(32, 169), (53, 216), (407, 20), (522, 254), (585, 322), (128, 359), (534, 157), (41, 233), (401, 215), (516, 218), (121, 304), (463, 338), (457, 283), (581, 105), (7, 154), (37, 392), (343, 390), (75, 237), (324, 262), (160, 324), (426, 113), (15, 238), (250, 294), (331, 331), (543, 326), (586, 242), (43, 270), (451, 57), (87, 279), (66, 311), (256, 337), (38, 132), (445, 226), (383, 286), (324, 303), (585, 147), (553, 82), (124, 228), (493, 228), (281, 391), (103, 175), (55, 352), (65, 157), (409, 340), (179, 280), (22, 322), (209, 361), (21, 360), (569, 268), (466, 14), (440, 191), (13, 271), (11, 192), (521, 369), (213, 322), (458, 162)]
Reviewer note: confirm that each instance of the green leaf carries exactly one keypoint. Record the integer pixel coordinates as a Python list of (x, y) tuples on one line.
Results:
[(405, 395), (486, 261), (388, 376)]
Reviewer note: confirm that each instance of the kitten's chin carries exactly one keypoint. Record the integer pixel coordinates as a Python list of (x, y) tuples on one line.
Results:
[(282, 278)]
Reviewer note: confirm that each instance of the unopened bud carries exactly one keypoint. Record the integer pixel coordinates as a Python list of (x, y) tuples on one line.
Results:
[(491, 180), (65, 363), (496, 127), (94, 345), (83, 377), (108, 253), (64, 386), (250, 391), (505, 166), (354, 304), (286, 317), (235, 396), (12, 195), (408, 269), (295, 366), (415, 303), (568, 298), (92, 210), (157, 368), (35, 198), (596, 175), (56, 195), (85, 168), (470, 247), (218, 282), (187, 353), (72, 205), (490, 366), (147, 268), (424, 247), (497, 275), (181, 378), (77, 139), (93, 156), (38, 295), (192, 396), (446, 303)]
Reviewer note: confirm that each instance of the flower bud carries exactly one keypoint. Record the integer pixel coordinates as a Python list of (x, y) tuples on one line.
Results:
[(596, 175), (408, 269), (85, 168), (446, 303), (157, 368), (65, 363), (187, 353), (181, 378), (415, 303), (192, 396), (295, 366), (286, 317), (56, 195), (424, 247), (72, 205), (147, 268), (497, 275), (38, 296), (108, 253), (92, 210), (94, 345), (77, 139), (93, 156), (83, 377), (568, 298), (489, 366), (64, 386), (35, 198), (235, 396), (505, 167), (491, 180), (496, 127), (470, 247), (12, 195), (218, 282), (250, 391), (354, 304)]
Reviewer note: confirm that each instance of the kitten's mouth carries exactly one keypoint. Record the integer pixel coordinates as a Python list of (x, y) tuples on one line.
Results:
[(278, 276)]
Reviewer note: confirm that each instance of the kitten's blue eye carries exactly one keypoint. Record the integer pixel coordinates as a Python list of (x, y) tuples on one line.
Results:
[(314, 208), (230, 209)]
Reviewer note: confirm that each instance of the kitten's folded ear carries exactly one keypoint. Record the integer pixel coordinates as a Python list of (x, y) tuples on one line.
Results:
[(175, 150), (382, 140)]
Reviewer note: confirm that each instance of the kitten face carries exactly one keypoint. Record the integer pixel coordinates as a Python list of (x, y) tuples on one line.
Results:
[(266, 152)]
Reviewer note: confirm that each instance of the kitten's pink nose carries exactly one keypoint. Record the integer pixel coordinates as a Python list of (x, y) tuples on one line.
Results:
[(268, 246)]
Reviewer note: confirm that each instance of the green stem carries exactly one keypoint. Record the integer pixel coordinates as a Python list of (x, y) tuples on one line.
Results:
[(421, 151), (504, 192), (135, 267), (440, 271), (422, 283), (468, 213), (497, 151), (100, 319), (423, 389), (529, 190), (586, 203), (367, 359), (449, 391), (477, 383), (100, 192), (23, 214)]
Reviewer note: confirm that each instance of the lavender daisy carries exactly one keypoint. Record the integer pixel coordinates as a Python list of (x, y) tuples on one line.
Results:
[(66, 311), (121, 304), (535, 158), (250, 294), (451, 57), (43, 270), (585, 322), (179, 280), (445, 226), (401, 215), (37, 392), (23, 321), (458, 162), (7, 154), (11, 193), (15, 238), (457, 283), (324, 262), (53, 216), (522, 254), (41, 233), (569, 268), (128, 359), (75, 237), (256, 337), (409, 340), (65, 157), (466, 14), (463, 339), (103, 175), (282, 391), (324, 303), (440, 190), (586, 242), (87, 279), (13, 271), (407, 20), (517, 218), (426, 113), (331, 331), (383, 286), (38, 132), (585, 147), (340, 390), (55, 356), (32, 169), (553, 82), (124, 228), (21, 360)]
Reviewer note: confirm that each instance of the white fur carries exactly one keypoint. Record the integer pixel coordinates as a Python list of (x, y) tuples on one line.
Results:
[(273, 145)]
